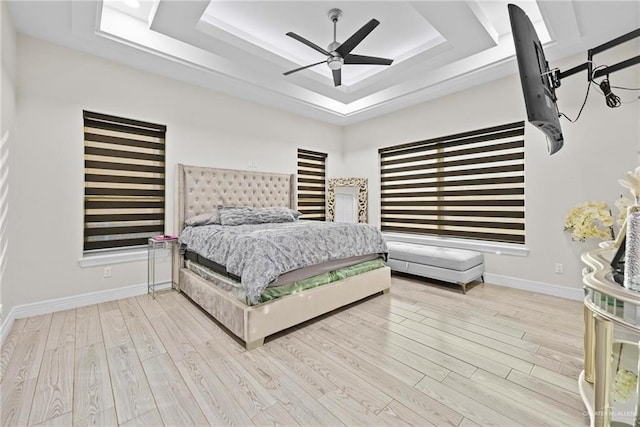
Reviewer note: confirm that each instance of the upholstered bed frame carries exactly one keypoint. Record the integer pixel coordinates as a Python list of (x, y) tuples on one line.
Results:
[(202, 189)]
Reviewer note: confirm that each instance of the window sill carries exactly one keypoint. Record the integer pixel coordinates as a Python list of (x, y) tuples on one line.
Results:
[(116, 257), (474, 245)]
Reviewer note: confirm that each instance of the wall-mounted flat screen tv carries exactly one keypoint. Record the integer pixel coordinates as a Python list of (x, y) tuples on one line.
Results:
[(536, 79)]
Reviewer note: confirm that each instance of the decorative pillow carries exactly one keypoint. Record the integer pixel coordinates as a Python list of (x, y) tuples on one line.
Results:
[(296, 214), (212, 217), (249, 215)]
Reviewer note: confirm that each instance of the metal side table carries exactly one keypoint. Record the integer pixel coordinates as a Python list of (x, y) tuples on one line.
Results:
[(155, 247)]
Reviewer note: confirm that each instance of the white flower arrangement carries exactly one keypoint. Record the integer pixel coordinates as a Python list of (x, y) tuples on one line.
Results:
[(594, 219), (589, 220), (622, 204), (631, 181), (624, 385), (625, 381)]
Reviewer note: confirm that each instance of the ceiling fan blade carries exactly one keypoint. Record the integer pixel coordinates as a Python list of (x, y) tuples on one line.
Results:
[(308, 43), (337, 77), (368, 60), (302, 68), (353, 41)]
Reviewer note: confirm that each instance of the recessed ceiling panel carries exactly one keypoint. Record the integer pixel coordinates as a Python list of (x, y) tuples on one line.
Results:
[(402, 31), (138, 9), (496, 12), (240, 47)]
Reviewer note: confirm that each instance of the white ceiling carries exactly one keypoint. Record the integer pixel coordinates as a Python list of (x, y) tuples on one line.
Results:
[(240, 47)]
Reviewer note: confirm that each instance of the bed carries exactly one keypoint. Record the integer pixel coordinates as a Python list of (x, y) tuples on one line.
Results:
[(202, 189)]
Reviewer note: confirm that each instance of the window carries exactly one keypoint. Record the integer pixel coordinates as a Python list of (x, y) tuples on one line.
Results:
[(469, 185), (124, 165), (311, 184)]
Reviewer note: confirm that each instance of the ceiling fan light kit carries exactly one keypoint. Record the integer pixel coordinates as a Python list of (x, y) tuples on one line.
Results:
[(339, 54), (335, 63)]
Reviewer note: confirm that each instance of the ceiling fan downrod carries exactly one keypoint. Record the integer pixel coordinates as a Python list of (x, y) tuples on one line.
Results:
[(335, 61), (334, 15)]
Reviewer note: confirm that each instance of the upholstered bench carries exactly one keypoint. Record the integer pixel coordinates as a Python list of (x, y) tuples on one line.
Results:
[(459, 266)]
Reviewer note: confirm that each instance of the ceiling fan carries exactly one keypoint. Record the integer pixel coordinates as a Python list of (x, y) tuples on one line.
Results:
[(340, 54)]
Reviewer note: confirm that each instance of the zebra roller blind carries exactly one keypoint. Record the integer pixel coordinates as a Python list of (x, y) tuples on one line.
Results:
[(312, 184), (124, 173), (469, 185)]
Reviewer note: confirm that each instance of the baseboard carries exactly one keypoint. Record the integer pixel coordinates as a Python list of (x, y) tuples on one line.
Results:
[(533, 286), (67, 303), (7, 323)]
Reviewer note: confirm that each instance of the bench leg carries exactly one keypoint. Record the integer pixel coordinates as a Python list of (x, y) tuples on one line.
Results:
[(464, 288), (254, 344)]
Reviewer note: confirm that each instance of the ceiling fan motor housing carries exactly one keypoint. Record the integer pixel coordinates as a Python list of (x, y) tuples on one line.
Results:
[(335, 62)]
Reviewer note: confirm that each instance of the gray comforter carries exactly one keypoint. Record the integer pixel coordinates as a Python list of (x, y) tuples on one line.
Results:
[(260, 253)]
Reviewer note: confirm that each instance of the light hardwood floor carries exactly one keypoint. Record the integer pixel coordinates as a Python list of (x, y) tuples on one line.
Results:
[(420, 355)]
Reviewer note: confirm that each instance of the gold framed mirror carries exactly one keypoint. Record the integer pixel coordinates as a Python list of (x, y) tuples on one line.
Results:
[(347, 200)]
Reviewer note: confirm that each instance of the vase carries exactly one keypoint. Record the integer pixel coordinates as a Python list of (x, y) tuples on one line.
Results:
[(632, 262)]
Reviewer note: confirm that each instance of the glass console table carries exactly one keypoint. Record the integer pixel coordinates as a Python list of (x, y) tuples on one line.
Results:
[(609, 382), (158, 246)]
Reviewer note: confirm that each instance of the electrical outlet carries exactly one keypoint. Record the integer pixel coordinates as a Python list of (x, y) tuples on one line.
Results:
[(107, 272), (559, 268)]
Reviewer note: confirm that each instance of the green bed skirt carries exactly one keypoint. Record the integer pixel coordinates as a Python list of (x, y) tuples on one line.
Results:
[(275, 292)]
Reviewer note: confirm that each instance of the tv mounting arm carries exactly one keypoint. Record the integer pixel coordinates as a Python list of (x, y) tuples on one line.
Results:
[(557, 75)]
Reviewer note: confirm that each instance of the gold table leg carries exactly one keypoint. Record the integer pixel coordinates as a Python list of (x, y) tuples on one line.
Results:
[(638, 393), (589, 345), (602, 383)]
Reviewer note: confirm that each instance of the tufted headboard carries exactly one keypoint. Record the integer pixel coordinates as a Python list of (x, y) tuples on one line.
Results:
[(200, 189)]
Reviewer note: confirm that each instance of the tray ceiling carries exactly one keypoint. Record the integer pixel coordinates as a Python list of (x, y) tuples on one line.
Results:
[(240, 47)]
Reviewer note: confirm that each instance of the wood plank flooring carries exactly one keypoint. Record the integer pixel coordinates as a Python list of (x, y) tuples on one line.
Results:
[(421, 355)]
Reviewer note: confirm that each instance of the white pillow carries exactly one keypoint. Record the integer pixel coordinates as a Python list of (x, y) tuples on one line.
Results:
[(204, 219)]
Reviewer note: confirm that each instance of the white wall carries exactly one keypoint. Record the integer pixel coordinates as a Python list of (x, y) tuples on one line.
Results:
[(46, 176), (598, 150), (203, 128), (7, 113)]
